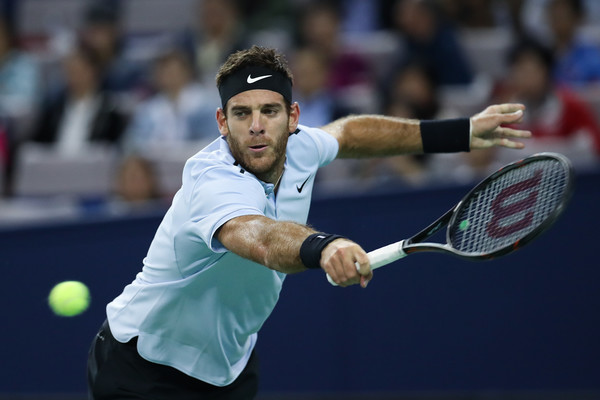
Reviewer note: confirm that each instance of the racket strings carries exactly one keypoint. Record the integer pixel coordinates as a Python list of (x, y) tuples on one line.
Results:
[(509, 207)]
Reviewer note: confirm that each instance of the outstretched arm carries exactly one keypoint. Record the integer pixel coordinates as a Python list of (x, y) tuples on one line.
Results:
[(377, 135), (276, 245)]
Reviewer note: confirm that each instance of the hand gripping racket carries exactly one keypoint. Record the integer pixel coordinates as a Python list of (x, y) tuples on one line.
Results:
[(504, 212)]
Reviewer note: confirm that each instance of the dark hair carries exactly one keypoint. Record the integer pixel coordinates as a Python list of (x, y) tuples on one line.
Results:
[(533, 47), (89, 55), (576, 6), (176, 55), (9, 30), (102, 12), (254, 56)]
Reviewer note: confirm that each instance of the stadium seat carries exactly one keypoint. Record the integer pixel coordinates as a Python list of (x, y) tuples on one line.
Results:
[(169, 161), (42, 171)]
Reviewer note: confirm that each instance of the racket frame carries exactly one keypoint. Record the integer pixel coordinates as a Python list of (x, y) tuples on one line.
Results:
[(414, 245), (395, 251)]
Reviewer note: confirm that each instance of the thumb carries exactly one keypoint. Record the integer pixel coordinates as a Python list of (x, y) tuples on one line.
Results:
[(363, 265)]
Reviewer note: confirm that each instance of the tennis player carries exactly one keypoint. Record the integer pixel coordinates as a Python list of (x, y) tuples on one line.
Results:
[(186, 327)]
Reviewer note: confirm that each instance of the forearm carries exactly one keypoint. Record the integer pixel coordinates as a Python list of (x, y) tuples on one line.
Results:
[(274, 244), (375, 136), (277, 245), (378, 135)]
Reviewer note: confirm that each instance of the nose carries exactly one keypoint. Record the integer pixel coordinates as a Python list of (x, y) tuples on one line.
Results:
[(257, 127)]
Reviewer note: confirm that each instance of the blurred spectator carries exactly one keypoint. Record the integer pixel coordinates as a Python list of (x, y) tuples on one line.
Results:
[(317, 105), (361, 16), (266, 14), (136, 182), (554, 113), (533, 17), (429, 39), (182, 110), (81, 112), (414, 84), (348, 71), (20, 77), (101, 31), (20, 83), (412, 92), (219, 32), (485, 14), (470, 13), (577, 60)]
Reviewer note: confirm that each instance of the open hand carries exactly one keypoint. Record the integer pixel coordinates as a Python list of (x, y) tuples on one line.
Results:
[(487, 131)]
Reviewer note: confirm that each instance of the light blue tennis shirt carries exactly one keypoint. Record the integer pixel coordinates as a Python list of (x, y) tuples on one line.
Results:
[(195, 305)]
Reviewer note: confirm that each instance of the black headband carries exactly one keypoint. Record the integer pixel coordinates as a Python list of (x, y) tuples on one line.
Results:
[(255, 77)]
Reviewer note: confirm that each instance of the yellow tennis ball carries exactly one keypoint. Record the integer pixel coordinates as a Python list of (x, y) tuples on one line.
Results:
[(69, 298)]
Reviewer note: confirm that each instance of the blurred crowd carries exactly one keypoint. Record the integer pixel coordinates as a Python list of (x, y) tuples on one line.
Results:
[(108, 103)]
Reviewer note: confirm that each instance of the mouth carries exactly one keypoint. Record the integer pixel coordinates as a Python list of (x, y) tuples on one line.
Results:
[(258, 148)]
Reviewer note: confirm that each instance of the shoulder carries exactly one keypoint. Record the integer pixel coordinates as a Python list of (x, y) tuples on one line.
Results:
[(21, 60), (215, 163), (306, 135), (312, 144), (214, 183), (574, 107), (305, 132)]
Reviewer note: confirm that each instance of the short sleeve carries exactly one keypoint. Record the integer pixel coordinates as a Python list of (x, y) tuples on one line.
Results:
[(327, 146), (219, 195)]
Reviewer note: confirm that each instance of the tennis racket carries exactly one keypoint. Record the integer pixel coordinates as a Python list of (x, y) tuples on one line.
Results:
[(503, 213)]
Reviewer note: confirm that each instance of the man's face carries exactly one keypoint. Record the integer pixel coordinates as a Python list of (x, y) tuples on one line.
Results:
[(530, 78), (257, 126)]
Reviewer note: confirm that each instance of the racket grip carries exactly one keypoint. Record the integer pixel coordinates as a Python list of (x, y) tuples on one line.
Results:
[(381, 256)]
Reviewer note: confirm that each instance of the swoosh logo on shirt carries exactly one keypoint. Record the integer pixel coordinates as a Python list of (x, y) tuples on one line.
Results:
[(299, 188), (258, 78)]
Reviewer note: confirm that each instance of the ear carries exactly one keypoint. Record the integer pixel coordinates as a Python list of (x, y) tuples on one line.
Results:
[(294, 117), (222, 122)]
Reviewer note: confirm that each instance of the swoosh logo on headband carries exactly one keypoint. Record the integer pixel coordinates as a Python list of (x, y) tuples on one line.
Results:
[(258, 78)]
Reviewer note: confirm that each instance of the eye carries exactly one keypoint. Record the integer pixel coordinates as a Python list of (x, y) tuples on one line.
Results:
[(269, 111), (240, 113)]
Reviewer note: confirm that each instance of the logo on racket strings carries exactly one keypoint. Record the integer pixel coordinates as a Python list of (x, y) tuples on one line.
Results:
[(502, 209)]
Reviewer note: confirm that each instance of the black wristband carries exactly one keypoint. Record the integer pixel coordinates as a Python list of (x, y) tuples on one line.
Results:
[(310, 251), (446, 136)]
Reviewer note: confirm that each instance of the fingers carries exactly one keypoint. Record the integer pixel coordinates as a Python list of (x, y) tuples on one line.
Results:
[(505, 108), (509, 118), (479, 143), (512, 133), (346, 263), (486, 122), (343, 272), (488, 131), (501, 136), (364, 269)]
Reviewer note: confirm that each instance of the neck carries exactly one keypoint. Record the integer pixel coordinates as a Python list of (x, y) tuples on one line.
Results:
[(82, 92), (275, 176), (279, 179)]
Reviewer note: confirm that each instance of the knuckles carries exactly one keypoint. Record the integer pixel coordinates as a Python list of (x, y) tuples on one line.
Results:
[(340, 262)]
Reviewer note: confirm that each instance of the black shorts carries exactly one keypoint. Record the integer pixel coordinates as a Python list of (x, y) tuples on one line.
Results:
[(117, 371)]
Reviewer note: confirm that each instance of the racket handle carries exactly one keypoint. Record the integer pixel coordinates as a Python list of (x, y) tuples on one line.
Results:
[(381, 256)]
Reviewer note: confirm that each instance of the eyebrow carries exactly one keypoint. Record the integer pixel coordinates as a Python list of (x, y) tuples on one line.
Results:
[(272, 105), (262, 106)]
